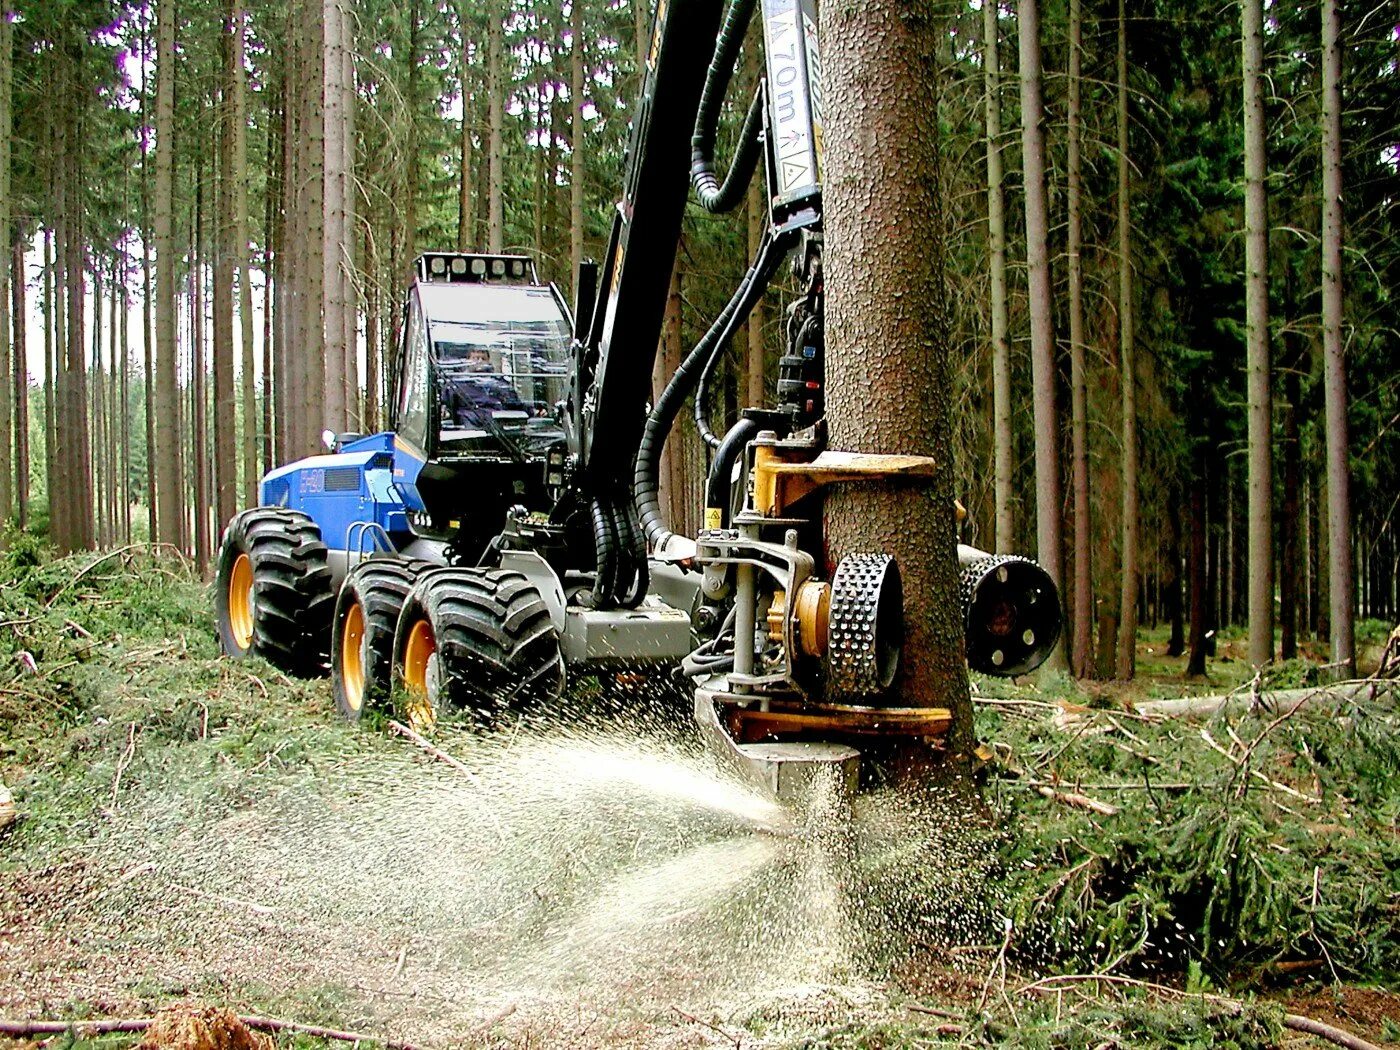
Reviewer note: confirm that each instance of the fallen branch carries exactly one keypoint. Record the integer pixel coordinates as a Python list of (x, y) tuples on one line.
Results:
[(1282, 700), (123, 762), (1296, 1022), (1258, 775), (88, 568), (22, 1029), (1078, 801)]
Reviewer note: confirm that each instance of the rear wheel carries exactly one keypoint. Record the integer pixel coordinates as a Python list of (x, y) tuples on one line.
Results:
[(272, 591), (475, 640), (362, 637)]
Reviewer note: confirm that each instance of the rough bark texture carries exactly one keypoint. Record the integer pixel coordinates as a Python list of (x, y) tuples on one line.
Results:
[(238, 131), (1049, 547), (1128, 596), (21, 379), (465, 233), (495, 225), (757, 367), (996, 243), (8, 378), (1082, 603), (1257, 370), (1340, 582), (888, 369), (225, 403), (169, 495), (575, 140)]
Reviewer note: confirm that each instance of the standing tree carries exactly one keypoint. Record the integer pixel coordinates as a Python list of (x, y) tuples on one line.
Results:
[(1047, 429), (1261, 457), (996, 248), (1339, 572), (1082, 605), (9, 421), (1128, 603), (889, 378), (169, 494), (575, 141)]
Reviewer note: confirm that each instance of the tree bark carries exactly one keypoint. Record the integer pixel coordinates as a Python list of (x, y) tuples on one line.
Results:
[(495, 225), (1082, 603), (1340, 582), (225, 402), (1291, 565), (238, 130), (21, 376), (169, 494), (1128, 598), (1257, 368), (889, 375), (576, 170), (1047, 430), (996, 245), (465, 233), (757, 365), (10, 423)]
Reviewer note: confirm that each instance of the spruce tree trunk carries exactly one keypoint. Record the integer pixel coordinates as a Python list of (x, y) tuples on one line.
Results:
[(757, 214), (464, 182), (996, 244), (21, 376), (169, 494), (1082, 602), (9, 380), (576, 171), (335, 189), (495, 225), (1128, 597), (1049, 545), (889, 376), (225, 402), (81, 532), (1291, 566), (1257, 368), (238, 129), (1340, 581)]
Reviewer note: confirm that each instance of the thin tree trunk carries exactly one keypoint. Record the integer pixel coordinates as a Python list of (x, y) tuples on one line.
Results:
[(237, 129), (199, 376), (1340, 583), (10, 423), (225, 433), (1257, 368), (1290, 567), (333, 291), (464, 182), (1196, 660), (889, 374), (81, 532), (1128, 600), (21, 376), (576, 132), (996, 243), (495, 229), (758, 317), (169, 494), (1049, 545), (1082, 603)]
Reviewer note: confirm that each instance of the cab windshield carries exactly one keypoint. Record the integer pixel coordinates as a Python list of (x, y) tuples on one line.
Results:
[(502, 360)]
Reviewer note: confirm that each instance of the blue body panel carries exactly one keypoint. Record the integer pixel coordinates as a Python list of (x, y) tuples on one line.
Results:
[(358, 497)]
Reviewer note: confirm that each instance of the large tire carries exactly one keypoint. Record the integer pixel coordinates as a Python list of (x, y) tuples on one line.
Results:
[(362, 636), (475, 642), (272, 593)]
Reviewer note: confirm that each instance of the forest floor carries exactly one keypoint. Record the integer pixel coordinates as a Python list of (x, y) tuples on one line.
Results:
[(197, 830)]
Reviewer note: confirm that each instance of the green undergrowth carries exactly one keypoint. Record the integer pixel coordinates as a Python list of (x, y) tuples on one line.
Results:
[(1216, 867), (113, 693)]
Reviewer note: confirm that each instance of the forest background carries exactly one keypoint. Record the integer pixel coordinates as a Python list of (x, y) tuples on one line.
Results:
[(211, 209)]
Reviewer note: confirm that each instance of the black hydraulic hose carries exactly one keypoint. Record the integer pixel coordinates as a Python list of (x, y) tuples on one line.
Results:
[(635, 547), (701, 408), (717, 489), (605, 553), (646, 473), (713, 197)]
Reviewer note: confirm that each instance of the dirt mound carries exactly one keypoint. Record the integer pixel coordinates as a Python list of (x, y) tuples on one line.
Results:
[(193, 1027)]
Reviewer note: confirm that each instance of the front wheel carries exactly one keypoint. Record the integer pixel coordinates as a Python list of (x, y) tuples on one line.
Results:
[(475, 640), (272, 591)]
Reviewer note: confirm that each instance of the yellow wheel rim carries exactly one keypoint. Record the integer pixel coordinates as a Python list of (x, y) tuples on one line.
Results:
[(240, 602), (352, 657), (418, 653)]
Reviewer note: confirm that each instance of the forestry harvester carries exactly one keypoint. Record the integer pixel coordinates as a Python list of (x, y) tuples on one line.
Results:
[(507, 530)]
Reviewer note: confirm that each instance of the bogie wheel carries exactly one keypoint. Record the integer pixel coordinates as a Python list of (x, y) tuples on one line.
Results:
[(362, 636), (272, 591), (477, 641)]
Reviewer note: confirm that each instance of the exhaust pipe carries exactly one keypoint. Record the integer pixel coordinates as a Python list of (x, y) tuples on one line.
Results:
[(1011, 612)]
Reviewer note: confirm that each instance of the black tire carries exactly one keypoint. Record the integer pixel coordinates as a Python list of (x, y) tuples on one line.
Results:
[(369, 603), (284, 615), (493, 646)]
